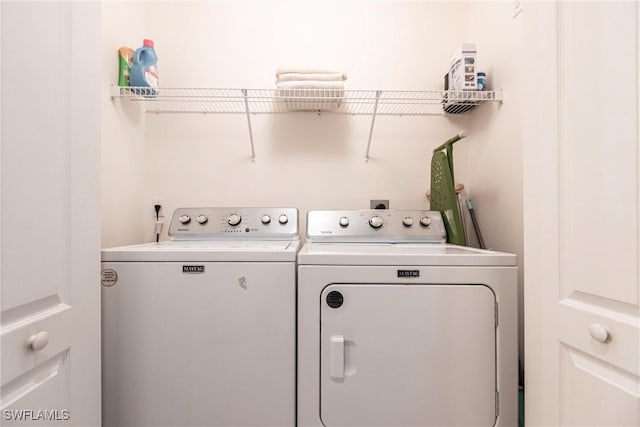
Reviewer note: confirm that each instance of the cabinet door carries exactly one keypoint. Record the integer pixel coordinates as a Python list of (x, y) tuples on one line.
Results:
[(50, 325), (407, 355), (582, 213)]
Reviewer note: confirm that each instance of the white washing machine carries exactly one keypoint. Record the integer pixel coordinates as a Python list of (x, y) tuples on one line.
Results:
[(200, 330), (398, 328)]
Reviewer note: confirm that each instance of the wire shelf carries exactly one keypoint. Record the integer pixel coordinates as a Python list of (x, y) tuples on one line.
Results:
[(272, 101)]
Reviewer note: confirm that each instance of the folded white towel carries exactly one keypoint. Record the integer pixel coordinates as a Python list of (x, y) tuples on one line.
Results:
[(287, 77), (311, 84), (308, 70)]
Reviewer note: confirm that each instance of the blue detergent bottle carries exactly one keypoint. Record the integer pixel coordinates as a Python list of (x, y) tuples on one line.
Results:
[(144, 72)]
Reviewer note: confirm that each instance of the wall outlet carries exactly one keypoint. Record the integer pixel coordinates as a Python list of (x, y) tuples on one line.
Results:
[(379, 204), (157, 201)]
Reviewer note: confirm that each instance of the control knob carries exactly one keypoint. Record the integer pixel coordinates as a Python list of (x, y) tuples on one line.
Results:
[(234, 219), (344, 221), (425, 220), (375, 221), (266, 219), (407, 221), (283, 219), (184, 219), (202, 219)]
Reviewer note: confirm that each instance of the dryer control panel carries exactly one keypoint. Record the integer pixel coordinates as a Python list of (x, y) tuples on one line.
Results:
[(231, 223), (376, 225)]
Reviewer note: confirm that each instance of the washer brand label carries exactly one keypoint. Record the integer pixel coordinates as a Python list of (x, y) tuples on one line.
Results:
[(109, 277), (193, 268), (408, 273)]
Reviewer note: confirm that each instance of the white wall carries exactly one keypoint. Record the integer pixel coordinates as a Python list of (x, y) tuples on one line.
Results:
[(490, 159), (123, 156), (307, 160), (303, 160)]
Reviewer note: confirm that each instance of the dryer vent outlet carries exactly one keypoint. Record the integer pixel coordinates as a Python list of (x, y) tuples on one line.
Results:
[(379, 204)]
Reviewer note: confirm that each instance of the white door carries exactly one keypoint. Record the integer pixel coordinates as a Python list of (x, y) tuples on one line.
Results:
[(582, 213), (407, 355), (50, 323)]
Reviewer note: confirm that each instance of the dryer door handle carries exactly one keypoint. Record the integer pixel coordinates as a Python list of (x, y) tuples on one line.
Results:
[(336, 356)]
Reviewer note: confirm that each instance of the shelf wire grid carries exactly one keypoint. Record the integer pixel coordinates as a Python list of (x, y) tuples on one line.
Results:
[(270, 101)]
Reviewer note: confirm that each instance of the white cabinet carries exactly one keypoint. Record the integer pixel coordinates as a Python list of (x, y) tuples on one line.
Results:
[(582, 215), (50, 327)]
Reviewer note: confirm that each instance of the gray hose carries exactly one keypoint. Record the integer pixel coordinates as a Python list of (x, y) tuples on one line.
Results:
[(476, 226)]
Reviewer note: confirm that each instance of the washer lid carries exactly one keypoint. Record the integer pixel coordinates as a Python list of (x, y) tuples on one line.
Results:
[(227, 251), (400, 254)]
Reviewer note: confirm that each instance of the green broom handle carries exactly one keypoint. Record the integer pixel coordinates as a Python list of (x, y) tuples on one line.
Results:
[(451, 141), (449, 146)]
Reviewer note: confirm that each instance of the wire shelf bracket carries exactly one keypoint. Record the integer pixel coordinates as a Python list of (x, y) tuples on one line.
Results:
[(373, 122), (246, 106)]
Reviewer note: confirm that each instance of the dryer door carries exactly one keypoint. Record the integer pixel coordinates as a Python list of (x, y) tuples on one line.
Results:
[(408, 355)]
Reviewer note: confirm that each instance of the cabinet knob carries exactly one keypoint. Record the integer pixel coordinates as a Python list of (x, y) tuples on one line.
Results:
[(39, 341), (599, 332)]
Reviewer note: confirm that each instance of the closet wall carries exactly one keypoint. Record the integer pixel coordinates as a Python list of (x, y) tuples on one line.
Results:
[(123, 155), (490, 159), (309, 161)]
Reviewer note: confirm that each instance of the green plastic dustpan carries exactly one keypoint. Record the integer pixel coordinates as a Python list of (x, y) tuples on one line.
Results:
[(443, 194)]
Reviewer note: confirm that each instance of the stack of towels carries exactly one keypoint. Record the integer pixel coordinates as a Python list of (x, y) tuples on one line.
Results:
[(309, 88)]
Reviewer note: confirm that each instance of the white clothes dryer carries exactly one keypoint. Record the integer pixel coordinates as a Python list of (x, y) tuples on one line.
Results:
[(398, 328), (200, 330)]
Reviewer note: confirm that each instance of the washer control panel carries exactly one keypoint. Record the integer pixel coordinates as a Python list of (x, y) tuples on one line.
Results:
[(376, 225), (229, 223)]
